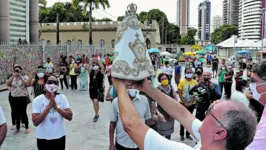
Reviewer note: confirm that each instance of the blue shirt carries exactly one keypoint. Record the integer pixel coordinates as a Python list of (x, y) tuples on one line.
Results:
[(113, 93), (217, 89), (178, 70), (209, 58)]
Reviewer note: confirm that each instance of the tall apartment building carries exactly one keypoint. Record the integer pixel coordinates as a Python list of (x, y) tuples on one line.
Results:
[(182, 20), (217, 21), (204, 20), (230, 12), (19, 19), (250, 19)]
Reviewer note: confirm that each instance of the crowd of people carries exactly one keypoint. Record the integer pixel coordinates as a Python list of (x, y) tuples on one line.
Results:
[(227, 124)]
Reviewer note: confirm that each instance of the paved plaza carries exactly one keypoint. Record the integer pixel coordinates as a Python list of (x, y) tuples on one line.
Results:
[(82, 132)]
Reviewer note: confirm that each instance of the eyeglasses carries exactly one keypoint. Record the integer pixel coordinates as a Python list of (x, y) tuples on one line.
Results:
[(149, 78), (52, 82), (208, 112)]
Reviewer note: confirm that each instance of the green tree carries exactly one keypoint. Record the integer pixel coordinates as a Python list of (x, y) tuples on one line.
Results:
[(223, 32), (91, 4), (188, 38), (172, 34), (143, 16), (42, 3), (61, 10), (120, 18), (159, 16)]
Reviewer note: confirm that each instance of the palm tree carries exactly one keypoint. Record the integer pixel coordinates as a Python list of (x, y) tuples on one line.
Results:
[(42, 3), (91, 4)]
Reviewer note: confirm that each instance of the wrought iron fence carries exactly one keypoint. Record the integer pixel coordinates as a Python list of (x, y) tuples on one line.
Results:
[(31, 56)]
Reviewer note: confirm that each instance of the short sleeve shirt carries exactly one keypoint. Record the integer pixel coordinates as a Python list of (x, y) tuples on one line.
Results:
[(154, 141), (53, 125), (178, 70), (168, 70), (49, 67), (142, 106), (2, 117), (186, 86)]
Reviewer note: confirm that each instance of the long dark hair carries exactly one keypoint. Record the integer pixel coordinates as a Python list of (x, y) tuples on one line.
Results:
[(45, 81), (99, 77), (36, 76)]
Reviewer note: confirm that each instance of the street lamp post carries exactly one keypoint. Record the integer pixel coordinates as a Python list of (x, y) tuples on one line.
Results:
[(263, 26)]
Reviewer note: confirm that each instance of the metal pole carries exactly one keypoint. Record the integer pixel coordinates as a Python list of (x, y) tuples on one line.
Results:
[(90, 28), (57, 29), (147, 32), (263, 25)]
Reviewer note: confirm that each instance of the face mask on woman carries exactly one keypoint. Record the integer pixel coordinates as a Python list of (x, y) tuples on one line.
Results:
[(73, 62), (223, 68), (51, 88), (165, 82), (190, 75), (40, 75), (253, 88), (198, 73)]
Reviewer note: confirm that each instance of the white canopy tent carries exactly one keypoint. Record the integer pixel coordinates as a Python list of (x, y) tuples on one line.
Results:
[(229, 43), (246, 44), (258, 44)]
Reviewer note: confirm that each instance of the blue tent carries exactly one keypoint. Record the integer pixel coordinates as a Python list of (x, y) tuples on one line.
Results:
[(209, 48), (154, 50), (243, 52)]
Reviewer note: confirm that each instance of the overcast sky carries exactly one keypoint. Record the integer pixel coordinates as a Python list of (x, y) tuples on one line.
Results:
[(118, 8)]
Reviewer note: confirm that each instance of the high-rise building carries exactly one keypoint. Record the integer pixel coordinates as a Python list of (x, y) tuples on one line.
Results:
[(230, 12), (204, 20), (182, 19), (216, 22), (249, 25), (19, 20)]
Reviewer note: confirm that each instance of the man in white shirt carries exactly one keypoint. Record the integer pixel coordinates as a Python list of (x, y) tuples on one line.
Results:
[(123, 141), (222, 128), (3, 127)]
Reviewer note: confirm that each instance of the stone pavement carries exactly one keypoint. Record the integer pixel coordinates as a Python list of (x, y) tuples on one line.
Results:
[(82, 132)]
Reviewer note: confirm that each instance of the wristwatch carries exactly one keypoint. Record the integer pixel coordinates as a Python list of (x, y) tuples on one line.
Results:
[(57, 107)]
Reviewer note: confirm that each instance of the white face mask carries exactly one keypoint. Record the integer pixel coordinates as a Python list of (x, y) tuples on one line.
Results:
[(40, 75), (73, 62), (132, 92), (51, 88), (223, 68), (253, 88), (189, 76)]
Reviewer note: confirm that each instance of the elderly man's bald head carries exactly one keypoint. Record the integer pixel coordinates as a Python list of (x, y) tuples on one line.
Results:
[(207, 73), (240, 122)]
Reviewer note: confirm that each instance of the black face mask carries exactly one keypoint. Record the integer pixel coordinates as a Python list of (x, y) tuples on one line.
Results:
[(206, 79), (17, 69), (198, 73)]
